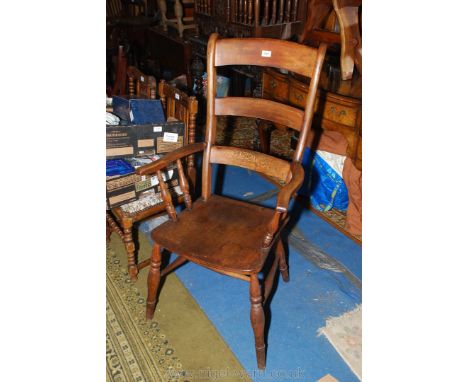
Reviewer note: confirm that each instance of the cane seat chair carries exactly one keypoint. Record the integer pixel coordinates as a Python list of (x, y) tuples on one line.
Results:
[(228, 236), (177, 105)]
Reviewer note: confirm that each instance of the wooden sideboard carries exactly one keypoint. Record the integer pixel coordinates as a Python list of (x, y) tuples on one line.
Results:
[(332, 111)]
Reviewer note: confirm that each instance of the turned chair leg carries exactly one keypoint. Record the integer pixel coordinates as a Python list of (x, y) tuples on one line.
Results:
[(283, 267), (257, 318), (130, 248), (154, 276), (108, 231)]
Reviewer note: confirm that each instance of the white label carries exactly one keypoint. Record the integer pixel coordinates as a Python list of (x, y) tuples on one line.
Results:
[(131, 115), (177, 96), (140, 152), (170, 137), (155, 181), (142, 79), (157, 129), (266, 53)]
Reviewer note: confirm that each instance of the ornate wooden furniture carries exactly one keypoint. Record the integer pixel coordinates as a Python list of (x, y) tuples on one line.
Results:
[(140, 84), (177, 105), (248, 18), (336, 22), (228, 236), (333, 111), (182, 16)]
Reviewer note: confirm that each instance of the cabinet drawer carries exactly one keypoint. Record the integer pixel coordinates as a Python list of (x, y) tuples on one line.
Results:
[(338, 113), (297, 97), (276, 88)]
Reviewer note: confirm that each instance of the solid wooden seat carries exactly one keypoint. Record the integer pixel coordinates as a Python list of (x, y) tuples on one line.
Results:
[(232, 237), (219, 233)]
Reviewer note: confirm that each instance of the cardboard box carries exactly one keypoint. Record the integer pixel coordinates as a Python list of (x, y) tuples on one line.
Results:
[(138, 110), (127, 188), (120, 142), (161, 138), (141, 140)]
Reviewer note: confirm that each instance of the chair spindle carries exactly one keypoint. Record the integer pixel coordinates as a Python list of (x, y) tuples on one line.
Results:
[(166, 197), (184, 185)]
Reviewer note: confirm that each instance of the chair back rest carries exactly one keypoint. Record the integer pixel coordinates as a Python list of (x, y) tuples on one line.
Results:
[(140, 84), (291, 56), (180, 106)]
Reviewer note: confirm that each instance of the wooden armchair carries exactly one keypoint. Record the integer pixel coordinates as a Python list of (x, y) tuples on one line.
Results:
[(176, 105), (229, 236)]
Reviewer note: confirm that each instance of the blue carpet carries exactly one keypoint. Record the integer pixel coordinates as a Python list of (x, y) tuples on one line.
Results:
[(298, 308)]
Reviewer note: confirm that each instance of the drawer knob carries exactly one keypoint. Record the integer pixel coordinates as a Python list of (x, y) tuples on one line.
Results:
[(339, 114), (298, 97), (273, 84)]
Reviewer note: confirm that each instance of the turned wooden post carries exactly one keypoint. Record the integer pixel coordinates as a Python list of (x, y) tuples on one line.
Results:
[(154, 277), (184, 185), (162, 96), (131, 86), (130, 248), (273, 12), (294, 11), (288, 11), (283, 267), (250, 12), (163, 8), (257, 318), (244, 19), (166, 197), (191, 171), (266, 15), (280, 14), (179, 13)]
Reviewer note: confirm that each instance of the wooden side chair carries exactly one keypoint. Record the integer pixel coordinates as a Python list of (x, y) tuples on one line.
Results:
[(140, 84), (225, 235), (176, 105)]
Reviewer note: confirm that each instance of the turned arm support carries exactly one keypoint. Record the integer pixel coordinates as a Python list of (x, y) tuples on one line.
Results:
[(284, 196), (152, 168), (157, 166), (286, 192)]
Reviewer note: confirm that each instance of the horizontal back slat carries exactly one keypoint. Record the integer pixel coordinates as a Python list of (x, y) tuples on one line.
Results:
[(260, 108), (252, 160), (266, 52)]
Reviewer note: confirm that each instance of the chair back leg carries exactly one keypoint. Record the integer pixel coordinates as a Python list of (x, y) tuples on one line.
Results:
[(283, 267)]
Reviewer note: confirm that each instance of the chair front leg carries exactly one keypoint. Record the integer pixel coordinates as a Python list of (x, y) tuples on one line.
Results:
[(257, 318), (130, 248), (154, 277)]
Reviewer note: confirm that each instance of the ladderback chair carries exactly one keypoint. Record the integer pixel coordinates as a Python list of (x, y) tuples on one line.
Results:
[(225, 235), (121, 220)]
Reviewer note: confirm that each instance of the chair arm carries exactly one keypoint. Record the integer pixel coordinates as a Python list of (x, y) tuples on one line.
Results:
[(284, 195), (152, 168)]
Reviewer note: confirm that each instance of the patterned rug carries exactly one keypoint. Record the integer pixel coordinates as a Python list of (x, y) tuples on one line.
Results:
[(177, 345), (345, 334), (137, 350)]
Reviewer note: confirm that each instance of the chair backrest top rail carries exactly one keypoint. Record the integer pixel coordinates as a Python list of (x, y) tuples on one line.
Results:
[(266, 52)]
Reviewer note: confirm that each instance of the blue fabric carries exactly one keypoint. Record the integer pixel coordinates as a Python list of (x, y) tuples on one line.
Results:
[(323, 184)]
